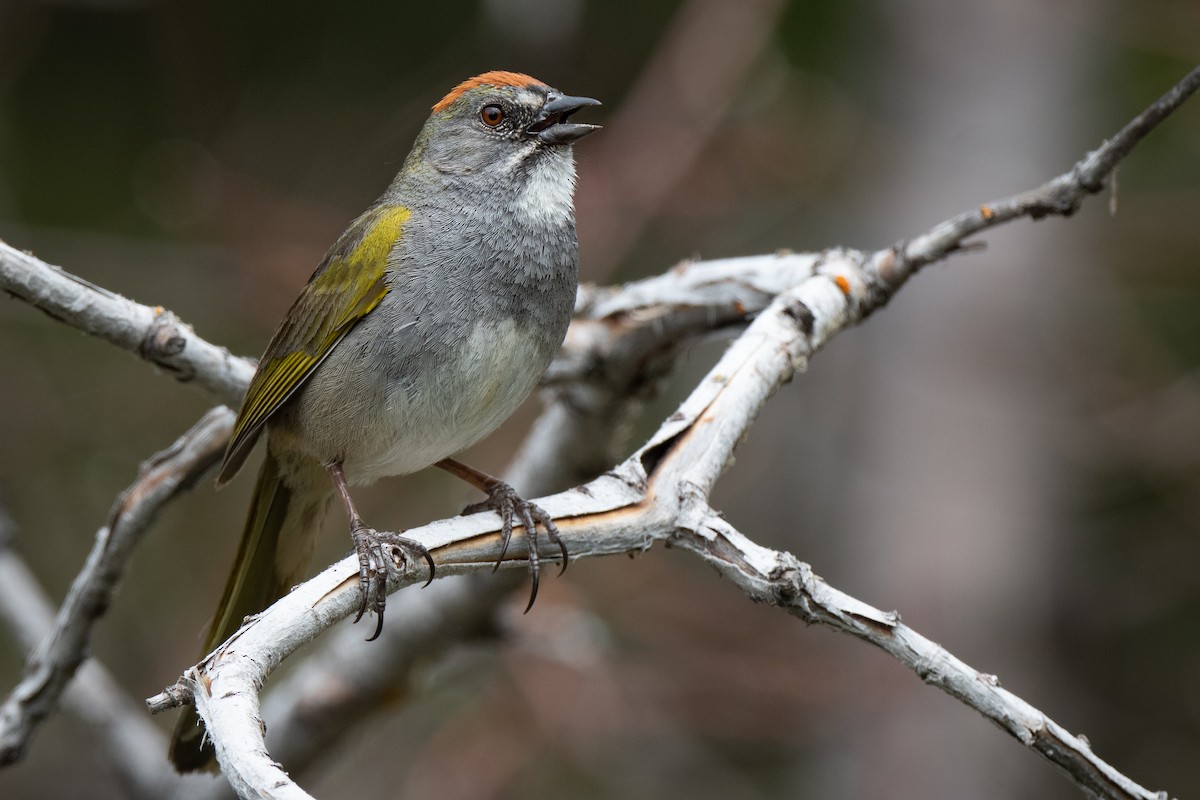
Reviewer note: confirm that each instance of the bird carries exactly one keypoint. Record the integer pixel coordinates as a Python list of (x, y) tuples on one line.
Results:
[(425, 325)]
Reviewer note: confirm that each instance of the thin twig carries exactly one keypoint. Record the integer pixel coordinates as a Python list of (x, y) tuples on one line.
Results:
[(1061, 196), (52, 664), (117, 720)]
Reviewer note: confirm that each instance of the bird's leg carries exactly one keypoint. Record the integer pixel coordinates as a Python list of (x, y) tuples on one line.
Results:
[(369, 544), (505, 501)]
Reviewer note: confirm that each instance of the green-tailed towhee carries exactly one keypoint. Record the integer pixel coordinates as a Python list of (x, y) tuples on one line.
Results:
[(424, 327)]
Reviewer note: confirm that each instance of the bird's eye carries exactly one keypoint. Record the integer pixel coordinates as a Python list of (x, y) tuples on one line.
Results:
[(492, 115)]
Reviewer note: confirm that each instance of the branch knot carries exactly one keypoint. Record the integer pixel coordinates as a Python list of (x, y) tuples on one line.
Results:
[(164, 340)]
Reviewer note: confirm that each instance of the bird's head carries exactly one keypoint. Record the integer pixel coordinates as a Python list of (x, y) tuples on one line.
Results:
[(502, 122)]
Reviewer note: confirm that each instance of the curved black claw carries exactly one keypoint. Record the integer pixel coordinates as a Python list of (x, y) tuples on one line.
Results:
[(373, 567), (505, 501)]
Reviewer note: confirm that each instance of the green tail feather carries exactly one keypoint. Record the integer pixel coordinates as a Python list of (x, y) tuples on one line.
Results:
[(257, 580)]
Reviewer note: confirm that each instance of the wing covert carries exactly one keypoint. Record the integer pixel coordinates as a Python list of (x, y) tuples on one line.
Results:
[(349, 283)]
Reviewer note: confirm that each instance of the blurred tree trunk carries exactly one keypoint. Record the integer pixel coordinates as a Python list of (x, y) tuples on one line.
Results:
[(955, 474)]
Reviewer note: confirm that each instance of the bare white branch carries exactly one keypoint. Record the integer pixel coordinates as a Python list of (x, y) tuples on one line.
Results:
[(659, 494), (793, 586), (150, 332)]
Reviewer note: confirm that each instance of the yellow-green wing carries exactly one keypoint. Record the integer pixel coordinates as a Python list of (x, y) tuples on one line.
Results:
[(350, 281)]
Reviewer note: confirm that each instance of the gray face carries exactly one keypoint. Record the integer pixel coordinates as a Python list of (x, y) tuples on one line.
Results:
[(499, 131)]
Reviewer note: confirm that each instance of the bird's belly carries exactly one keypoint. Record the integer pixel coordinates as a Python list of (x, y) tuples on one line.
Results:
[(404, 416)]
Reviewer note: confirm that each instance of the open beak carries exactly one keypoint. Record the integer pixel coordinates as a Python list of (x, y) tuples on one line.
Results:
[(551, 125)]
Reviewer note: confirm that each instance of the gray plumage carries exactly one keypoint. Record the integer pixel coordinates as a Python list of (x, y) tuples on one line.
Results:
[(480, 287)]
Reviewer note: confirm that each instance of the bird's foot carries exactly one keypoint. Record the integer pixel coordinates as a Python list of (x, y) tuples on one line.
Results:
[(505, 501), (377, 553)]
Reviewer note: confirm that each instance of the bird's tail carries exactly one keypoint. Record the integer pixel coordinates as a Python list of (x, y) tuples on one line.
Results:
[(285, 516)]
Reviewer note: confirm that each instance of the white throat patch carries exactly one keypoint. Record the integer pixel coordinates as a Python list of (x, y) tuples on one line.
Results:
[(547, 197)]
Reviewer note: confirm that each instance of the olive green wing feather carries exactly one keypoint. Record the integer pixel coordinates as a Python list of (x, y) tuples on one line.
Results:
[(349, 283)]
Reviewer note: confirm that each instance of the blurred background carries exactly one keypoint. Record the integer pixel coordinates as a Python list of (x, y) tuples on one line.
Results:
[(1008, 454)]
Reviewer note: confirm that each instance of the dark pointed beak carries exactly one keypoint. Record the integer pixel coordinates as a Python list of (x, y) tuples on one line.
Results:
[(551, 125)]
